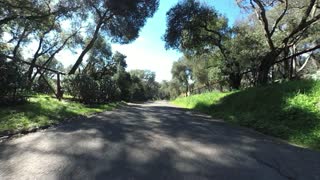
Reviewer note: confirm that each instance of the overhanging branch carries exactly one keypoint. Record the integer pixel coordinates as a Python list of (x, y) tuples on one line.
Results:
[(299, 53)]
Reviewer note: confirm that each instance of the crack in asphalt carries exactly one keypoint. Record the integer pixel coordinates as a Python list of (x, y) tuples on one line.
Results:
[(271, 166)]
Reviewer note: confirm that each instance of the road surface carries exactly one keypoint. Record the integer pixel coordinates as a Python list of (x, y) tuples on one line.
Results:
[(153, 141)]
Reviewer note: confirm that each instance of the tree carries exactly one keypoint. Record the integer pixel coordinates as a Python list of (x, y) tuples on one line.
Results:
[(100, 62), (122, 78), (143, 85), (206, 70), (12, 81), (36, 22), (194, 28), (120, 61), (164, 90), (247, 46), (34, 11), (271, 25), (182, 73), (120, 20), (45, 82), (52, 26)]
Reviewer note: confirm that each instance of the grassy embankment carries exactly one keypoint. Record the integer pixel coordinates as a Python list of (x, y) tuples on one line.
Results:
[(44, 110), (290, 110)]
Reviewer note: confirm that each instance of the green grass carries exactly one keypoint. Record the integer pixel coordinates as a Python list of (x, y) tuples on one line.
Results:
[(290, 110), (43, 110)]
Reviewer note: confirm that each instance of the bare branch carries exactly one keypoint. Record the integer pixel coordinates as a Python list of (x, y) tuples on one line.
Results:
[(305, 63), (21, 37), (299, 53), (54, 54), (261, 13), (279, 18), (38, 66), (303, 23), (92, 41)]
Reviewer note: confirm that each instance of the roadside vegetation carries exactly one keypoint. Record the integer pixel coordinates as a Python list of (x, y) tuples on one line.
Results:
[(43, 110), (274, 41), (289, 110), (32, 33)]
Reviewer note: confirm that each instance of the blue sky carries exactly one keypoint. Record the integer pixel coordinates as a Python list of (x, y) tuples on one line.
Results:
[(148, 51)]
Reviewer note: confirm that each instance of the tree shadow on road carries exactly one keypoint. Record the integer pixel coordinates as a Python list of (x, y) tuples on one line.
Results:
[(154, 142)]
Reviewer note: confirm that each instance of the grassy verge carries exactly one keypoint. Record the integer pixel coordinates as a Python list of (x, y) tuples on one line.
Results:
[(290, 110), (44, 110)]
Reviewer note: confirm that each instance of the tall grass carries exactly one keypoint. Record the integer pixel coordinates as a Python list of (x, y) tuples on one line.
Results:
[(290, 110), (43, 110)]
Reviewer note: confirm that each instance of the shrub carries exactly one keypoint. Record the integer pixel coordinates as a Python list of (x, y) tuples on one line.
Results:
[(12, 82)]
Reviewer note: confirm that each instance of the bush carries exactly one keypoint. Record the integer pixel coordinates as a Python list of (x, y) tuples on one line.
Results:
[(41, 86), (91, 91), (12, 82)]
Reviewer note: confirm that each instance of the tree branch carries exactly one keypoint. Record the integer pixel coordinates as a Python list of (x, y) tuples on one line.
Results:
[(303, 23), (38, 66), (264, 21), (280, 18), (22, 36), (304, 64), (299, 53), (53, 55), (92, 41)]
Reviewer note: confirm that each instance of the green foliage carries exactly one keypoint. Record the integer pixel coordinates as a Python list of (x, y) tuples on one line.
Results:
[(85, 87), (12, 82), (181, 73), (44, 110), (121, 21), (197, 29), (90, 91), (289, 110), (170, 89), (41, 86), (205, 99), (263, 47), (128, 17), (143, 85), (192, 25), (123, 80), (103, 79)]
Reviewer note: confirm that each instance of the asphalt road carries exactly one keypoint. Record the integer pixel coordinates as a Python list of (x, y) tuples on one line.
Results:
[(153, 141)]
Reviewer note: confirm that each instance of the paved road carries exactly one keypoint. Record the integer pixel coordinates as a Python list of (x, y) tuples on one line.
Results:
[(153, 141)]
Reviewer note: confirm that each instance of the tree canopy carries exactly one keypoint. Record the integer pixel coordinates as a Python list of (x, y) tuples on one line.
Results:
[(269, 43)]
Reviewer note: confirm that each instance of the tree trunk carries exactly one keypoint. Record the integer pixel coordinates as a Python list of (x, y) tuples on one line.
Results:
[(286, 65), (187, 89), (263, 73), (265, 66), (286, 69), (87, 48), (235, 81), (292, 63), (59, 90)]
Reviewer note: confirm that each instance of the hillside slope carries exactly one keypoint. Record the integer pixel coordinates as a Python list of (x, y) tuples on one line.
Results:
[(290, 110)]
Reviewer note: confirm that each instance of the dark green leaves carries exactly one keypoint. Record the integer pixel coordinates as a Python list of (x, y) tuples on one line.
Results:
[(193, 26)]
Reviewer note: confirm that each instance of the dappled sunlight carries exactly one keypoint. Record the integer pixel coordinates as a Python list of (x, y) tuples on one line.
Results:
[(144, 141)]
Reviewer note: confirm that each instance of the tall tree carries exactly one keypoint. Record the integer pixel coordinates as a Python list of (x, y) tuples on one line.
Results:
[(182, 73), (195, 28), (279, 46), (120, 20)]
